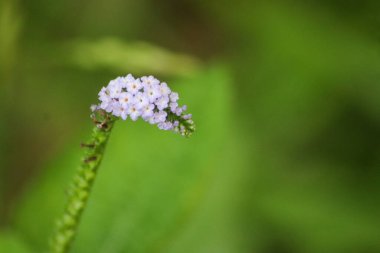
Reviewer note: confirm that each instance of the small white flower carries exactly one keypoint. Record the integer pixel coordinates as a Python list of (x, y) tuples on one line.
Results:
[(129, 78), (178, 111), (141, 100), (162, 102), (152, 94), (173, 106), (119, 111), (149, 81), (151, 120), (124, 114), (160, 116), (165, 125), (104, 95), (108, 105), (126, 99), (114, 89), (133, 112), (173, 97), (147, 111), (134, 86), (164, 89), (123, 82)]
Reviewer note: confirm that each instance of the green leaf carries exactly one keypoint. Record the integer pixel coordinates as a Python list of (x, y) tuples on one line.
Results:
[(137, 57), (11, 243), (152, 183)]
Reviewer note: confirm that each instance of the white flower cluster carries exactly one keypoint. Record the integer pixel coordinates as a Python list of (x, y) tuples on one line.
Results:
[(148, 98)]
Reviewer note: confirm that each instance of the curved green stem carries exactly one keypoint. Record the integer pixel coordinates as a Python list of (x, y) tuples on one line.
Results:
[(81, 187)]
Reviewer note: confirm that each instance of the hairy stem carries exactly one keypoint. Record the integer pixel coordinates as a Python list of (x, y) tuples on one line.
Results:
[(80, 189)]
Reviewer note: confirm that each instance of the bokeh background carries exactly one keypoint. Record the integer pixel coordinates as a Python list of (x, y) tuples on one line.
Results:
[(285, 94)]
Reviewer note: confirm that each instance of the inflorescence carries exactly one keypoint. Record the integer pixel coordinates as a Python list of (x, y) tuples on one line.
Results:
[(148, 98)]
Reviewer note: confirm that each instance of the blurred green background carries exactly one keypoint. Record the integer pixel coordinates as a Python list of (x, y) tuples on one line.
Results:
[(285, 95)]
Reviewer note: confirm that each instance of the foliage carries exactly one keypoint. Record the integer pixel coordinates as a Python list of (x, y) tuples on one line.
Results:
[(284, 94)]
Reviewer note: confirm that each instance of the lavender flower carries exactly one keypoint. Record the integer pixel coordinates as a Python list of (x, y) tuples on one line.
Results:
[(148, 98), (125, 98)]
